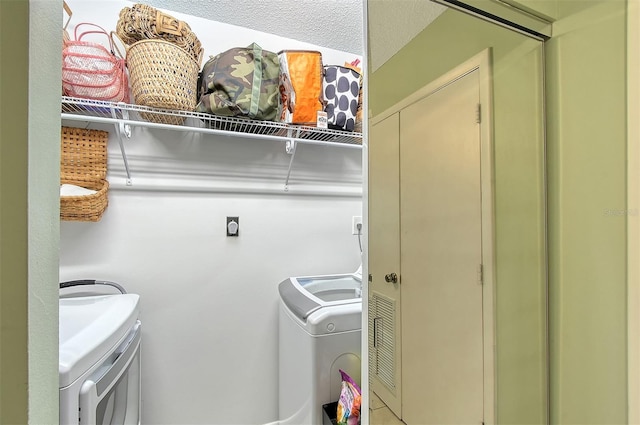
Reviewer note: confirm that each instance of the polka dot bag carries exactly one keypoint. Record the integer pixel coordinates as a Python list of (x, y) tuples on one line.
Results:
[(341, 86)]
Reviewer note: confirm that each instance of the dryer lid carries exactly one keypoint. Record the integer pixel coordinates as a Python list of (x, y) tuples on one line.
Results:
[(90, 327)]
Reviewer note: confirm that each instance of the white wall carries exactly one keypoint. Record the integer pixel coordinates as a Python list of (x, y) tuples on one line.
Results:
[(209, 302)]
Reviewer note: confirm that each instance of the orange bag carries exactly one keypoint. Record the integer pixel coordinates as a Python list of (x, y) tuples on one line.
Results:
[(301, 74)]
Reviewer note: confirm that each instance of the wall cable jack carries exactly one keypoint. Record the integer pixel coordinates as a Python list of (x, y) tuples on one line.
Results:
[(233, 226)]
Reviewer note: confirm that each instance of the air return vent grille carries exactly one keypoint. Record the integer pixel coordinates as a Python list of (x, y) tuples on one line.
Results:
[(382, 339)]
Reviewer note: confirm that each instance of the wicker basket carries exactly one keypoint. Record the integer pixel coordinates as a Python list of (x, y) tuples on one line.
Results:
[(142, 22), (83, 162), (163, 75)]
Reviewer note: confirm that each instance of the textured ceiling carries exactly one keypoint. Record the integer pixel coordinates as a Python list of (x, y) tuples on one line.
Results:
[(394, 23), (336, 24)]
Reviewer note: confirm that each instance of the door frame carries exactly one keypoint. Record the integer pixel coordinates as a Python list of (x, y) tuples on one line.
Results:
[(633, 207), (482, 63)]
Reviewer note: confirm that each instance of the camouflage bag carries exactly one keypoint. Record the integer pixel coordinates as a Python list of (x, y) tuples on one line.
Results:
[(241, 82)]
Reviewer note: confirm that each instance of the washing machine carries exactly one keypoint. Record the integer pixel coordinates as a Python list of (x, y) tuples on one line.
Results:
[(319, 334), (99, 365)]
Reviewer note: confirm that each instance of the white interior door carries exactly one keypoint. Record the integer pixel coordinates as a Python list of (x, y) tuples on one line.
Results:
[(384, 259), (441, 256)]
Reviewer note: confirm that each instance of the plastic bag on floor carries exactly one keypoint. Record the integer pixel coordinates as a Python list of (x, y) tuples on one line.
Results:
[(349, 403)]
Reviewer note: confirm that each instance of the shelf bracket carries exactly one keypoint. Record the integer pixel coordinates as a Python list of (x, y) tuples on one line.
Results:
[(290, 147), (123, 130), (293, 156)]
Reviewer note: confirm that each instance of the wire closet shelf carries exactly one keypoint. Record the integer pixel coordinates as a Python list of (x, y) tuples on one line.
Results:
[(123, 116), (121, 113)]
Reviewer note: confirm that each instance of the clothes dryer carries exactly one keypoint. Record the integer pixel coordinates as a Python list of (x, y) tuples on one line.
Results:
[(99, 364)]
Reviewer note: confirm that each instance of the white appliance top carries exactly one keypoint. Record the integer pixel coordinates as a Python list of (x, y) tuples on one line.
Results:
[(304, 295), (89, 328), (325, 289), (324, 304)]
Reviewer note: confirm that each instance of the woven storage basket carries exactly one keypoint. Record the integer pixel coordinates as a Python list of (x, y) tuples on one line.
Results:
[(83, 162), (163, 75), (142, 22)]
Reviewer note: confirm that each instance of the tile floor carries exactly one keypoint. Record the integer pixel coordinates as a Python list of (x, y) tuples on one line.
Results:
[(379, 413)]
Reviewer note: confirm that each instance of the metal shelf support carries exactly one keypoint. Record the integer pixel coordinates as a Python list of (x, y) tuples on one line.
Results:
[(290, 147), (123, 130)]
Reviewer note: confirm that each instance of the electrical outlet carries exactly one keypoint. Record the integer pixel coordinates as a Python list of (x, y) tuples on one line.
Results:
[(354, 224)]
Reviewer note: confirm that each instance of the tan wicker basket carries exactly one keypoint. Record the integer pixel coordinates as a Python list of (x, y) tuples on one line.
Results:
[(142, 22), (83, 162), (163, 75)]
